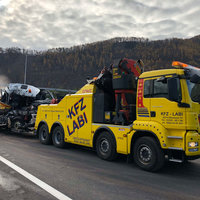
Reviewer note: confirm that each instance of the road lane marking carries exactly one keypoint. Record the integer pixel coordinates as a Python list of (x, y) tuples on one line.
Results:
[(35, 180)]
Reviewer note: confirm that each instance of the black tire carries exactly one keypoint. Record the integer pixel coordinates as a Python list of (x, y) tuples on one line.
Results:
[(44, 136), (106, 146), (147, 154), (16, 125), (58, 137)]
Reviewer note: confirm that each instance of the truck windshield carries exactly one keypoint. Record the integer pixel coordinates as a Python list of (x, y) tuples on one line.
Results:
[(194, 91)]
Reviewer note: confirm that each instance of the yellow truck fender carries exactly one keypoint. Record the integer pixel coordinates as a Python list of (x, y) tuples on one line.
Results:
[(40, 124), (153, 129), (99, 131), (44, 133), (55, 124)]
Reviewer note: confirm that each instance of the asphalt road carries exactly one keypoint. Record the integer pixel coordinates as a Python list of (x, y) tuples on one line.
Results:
[(80, 174)]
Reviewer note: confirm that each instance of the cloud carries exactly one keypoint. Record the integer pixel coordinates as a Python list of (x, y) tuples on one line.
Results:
[(48, 24)]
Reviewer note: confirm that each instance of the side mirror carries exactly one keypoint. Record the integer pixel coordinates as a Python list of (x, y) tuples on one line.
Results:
[(195, 78), (174, 89)]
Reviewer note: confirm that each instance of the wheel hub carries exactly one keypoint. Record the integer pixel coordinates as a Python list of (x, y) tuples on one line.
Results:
[(58, 138), (17, 125), (145, 154), (104, 146)]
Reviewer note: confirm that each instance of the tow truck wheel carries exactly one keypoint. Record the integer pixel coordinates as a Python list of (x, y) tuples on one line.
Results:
[(44, 135), (147, 154), (106, 147), (58, 137)]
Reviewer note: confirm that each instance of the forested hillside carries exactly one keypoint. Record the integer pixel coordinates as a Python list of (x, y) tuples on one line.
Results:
[(69, 67)]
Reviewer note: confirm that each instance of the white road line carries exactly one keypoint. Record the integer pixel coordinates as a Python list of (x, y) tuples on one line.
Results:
[(35, 180)]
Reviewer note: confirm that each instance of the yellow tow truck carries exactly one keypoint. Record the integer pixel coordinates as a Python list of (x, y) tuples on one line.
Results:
[(149, 116)]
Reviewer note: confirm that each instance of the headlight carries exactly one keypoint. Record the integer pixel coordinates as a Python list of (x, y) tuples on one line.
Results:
[(193, 144)]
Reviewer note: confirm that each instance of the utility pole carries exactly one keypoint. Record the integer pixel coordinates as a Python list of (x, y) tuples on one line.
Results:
[(25, 69)]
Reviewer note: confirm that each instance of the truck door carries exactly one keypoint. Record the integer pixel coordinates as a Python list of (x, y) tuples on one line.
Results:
[(143, 100), (163, 110)]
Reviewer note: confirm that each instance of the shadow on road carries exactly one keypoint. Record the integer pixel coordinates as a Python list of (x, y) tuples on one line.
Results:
[(190, 169), (24, 135)]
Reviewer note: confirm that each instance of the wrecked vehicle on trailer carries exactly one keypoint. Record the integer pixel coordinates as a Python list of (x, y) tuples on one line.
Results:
[(18, 106)]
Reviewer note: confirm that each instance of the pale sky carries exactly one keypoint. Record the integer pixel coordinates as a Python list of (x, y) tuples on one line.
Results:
[(43, 24)]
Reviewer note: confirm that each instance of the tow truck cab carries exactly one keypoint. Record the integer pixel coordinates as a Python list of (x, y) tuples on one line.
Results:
[(168, 106)]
